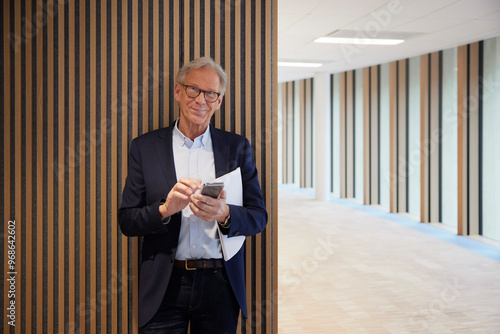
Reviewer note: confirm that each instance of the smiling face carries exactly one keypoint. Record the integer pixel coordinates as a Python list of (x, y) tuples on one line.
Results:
[(196, 112)]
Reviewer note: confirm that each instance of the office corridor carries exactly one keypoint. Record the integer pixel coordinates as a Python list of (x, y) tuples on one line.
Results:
[(345, 270)]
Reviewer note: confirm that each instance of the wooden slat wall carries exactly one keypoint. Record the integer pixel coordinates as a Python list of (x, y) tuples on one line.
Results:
[(297, 95), (347, 132), (469, 136), (80, 79), (469, 110), (305, 139), (430, 122), (307, 157), (288, 132), (399, 135), (371, 135)]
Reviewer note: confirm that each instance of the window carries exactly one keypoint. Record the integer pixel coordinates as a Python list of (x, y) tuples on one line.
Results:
[(490, 139), (449, 145)]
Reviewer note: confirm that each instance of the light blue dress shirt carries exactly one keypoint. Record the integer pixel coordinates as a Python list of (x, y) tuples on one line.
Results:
[(198, 238)]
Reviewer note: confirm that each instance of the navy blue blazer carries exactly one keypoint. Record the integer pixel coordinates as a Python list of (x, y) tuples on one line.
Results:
[(151, 175)]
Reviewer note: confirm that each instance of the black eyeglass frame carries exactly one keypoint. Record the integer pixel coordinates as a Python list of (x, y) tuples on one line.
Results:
[(199, 92)]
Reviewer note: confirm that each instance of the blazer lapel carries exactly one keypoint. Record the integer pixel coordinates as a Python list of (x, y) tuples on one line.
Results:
[(166, 156)]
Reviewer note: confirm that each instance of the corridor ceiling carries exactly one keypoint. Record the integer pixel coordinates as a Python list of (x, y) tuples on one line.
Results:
[(425, 25)]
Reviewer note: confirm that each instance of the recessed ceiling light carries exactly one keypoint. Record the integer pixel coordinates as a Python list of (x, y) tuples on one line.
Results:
[(291, 64), (359, 41)]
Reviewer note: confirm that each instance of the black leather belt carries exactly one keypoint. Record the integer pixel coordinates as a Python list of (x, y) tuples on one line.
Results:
[(193, 264)]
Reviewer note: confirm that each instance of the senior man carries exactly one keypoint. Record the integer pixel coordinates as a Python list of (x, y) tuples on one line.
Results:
[(184, 279)]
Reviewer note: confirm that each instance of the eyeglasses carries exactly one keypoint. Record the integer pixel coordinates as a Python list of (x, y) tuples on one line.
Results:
[(193, 93)]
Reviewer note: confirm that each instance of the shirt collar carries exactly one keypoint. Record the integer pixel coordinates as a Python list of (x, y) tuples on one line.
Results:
[(188, 142)]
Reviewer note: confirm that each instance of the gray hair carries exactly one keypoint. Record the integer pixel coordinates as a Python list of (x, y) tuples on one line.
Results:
[(203, 62)]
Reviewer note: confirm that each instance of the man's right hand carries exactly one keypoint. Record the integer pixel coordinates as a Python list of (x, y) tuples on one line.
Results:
[(179, 196)]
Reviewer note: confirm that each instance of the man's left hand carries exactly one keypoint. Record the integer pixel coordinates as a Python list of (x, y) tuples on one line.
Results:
[(208, 208)]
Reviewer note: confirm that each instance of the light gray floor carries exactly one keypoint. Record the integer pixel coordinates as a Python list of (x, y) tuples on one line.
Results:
[(343, 270)]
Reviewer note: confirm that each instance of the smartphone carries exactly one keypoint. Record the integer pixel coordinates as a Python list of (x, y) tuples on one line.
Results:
[(212, 189)]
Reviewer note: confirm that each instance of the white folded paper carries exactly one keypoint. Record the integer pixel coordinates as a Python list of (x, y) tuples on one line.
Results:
[(234, 196)]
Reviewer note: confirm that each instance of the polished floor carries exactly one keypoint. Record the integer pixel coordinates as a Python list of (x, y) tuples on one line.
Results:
[(345, 270)]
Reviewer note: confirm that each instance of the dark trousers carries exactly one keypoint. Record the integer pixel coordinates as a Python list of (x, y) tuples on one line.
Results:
[(202, 298)]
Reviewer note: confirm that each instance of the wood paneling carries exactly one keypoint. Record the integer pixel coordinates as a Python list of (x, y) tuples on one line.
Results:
[(371, 128), (374, 135), (434, 138), (297, 98), (430, 122), (349, 134), (80, 79), (462, 119), (469, 110), (399, 135), (308, 134), (366, 136), (402, 136), (371, 136), (342, 120)]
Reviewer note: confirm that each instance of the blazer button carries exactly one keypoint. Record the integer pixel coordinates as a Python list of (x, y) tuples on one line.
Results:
[(171, 260)]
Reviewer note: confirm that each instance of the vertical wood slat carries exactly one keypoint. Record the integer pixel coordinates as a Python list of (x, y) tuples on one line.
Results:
[(135, 66), (260, 138), (82, 187), (75, 193), (473, 139), (424, 134), (39, 176), (366, 137), (302, 134), (272, 164), (290, 133), (393, 76), (401, 171), (7, 204), (236, 8), (166, 71), (349, 134), (93, 170), (114, 168), (216, 13), (462, 120), (71, 168), (145, 68), (175, 52), (207, 38), (434, 138), (284, 109), (250, 321), (28, 288), (375, 135), (343, 153), (60, 170), (124, 139), (18, 173), (103, 296), (187, 32), (227, 53), (308, 139), (156, 61), (196, 33), (50, 174), (248, 71)]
